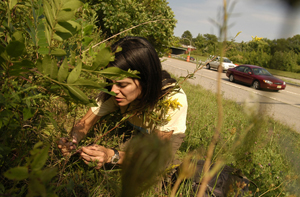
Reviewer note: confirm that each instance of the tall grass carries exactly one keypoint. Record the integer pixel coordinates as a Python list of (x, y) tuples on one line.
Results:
[(267, 152)]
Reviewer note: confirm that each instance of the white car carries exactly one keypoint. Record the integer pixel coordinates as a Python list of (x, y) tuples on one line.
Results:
[(215, 63)]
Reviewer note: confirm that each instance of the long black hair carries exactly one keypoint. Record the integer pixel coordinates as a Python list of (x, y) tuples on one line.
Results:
[(138, 54)]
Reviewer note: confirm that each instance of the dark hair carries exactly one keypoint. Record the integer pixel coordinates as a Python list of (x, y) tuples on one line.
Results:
[(138, 54)]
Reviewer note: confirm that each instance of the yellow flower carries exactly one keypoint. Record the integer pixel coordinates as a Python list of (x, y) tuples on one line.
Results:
[(256, 38)]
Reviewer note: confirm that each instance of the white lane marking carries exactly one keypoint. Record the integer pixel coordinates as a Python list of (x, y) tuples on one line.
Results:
[(292, 92), (239, 87)]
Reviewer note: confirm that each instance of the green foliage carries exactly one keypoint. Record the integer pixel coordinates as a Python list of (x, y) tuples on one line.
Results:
[(186, 37), (281, 54), (286, 61), (118, 16), (38, 178), (42, 61)]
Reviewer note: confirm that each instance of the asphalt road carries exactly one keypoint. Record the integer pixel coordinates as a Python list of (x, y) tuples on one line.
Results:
[(283, 105)]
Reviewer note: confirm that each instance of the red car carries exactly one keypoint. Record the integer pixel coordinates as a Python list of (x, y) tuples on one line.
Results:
[(255, 76)]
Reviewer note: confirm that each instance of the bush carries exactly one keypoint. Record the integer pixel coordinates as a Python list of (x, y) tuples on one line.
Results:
[(285, 61)]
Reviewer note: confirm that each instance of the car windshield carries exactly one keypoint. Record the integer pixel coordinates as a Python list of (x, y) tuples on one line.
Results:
[(226, 60), (261, 71)]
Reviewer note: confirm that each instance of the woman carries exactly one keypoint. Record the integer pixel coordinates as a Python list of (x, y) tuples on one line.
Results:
[(152, 92)]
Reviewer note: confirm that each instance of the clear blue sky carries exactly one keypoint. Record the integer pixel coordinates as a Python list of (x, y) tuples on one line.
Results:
[(262, 18)]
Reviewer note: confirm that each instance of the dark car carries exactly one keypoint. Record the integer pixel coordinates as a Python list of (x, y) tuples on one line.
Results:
[(255, 76)]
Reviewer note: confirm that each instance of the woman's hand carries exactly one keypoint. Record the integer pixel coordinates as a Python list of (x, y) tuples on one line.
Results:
[(78, 133), (96, 153), (67, 146)]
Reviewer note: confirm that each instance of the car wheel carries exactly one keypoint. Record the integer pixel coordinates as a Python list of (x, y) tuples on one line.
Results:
[(256, 85), (207, 66), (231, 78)]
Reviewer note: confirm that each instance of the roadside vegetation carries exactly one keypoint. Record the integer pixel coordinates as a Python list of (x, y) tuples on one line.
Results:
[(279, 54), (52, 58)]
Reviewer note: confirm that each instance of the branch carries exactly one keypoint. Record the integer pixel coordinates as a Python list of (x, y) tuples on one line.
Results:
[(125, 31)]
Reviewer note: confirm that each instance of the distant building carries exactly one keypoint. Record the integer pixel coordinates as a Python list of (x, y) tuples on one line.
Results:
[(178, 50), (188, 48), (184, 49)]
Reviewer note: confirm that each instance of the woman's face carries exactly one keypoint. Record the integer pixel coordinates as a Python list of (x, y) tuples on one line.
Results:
[(127, 90)]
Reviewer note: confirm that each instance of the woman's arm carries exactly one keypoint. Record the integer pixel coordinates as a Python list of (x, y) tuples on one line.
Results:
[(78, 132), (81, 128), (163, 135)]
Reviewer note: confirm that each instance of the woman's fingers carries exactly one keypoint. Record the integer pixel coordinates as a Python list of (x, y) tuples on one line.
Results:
[(66, 146), (94, 153), (95, 150)]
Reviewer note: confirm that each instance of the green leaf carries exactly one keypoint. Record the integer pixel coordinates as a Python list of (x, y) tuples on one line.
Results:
[(40, 159), (24, 63), (63, 71), (47, 35), (102, 46), (48, 174), (15, 48), (40, 9), (38, 144), (36, 188), (17, 173), (88, 30), (65, 30), (118, 49), (39, 65), (75, 73), (64, 16), (31, 31), (57, 4), (3, 58), (18, 36), (53, 69), (58, 52), (63, 27), (40, 31), (115, 71), (16, 72), (86, 82), (12, 3), (47, 64), (78, 94), (102, 59), (43, 50), (48, 13), (19, 68), (72, 4), (86, 41), (27, 113), (43, 42)]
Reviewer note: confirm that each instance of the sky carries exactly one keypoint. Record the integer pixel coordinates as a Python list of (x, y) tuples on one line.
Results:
[(262, 18)]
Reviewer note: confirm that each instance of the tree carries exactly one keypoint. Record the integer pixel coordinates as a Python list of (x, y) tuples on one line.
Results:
[(211, 39), (199, 41), (117, 16), (187, 34)]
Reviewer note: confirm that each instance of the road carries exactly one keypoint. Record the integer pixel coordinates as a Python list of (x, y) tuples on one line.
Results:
[(283, 105)]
